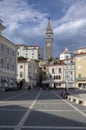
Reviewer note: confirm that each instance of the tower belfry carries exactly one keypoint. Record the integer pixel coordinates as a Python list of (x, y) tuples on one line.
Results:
[(49, 40)]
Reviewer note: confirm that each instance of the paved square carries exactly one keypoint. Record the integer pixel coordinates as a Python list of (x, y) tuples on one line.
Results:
[(40, 110), (10, 117)]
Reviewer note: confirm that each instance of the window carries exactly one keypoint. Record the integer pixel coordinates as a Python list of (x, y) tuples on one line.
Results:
[(56, 76), (71, 72), (12, 67), (50, 76), (18, 53), (32, 57), (44, 73), (49, 36), (66, 57), (2, 63), (53, 71), (59, 84), (59, 70), (2, 48), (21, 66), (21, 74), (29, 67), (59, 77), (8, 66), (79, 75), (8, 50), (12, 53), (44, 68)]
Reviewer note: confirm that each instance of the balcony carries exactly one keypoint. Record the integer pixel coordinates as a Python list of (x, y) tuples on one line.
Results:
[(81, 79)]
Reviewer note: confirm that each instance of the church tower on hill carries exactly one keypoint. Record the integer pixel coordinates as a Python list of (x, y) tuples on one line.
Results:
[(49, 40)]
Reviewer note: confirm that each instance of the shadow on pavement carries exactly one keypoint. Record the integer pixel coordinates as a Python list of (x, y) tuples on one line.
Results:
[(10, 115)]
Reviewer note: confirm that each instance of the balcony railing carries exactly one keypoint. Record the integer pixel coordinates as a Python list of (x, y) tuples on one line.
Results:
[(81, 79)]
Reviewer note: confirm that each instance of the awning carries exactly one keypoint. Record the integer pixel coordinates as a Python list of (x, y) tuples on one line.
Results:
[(52, 81)]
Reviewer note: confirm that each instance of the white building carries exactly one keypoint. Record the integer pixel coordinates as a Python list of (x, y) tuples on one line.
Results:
[(54, 76), (8, 62), (66, 54), (81, 50), (29, 52), (27, 70), (69, 68), (69, 73)]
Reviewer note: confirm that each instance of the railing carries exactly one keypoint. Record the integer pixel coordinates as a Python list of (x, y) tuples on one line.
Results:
[(81, 79)]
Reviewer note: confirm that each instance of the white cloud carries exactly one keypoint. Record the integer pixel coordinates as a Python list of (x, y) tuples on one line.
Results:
[(70, 26), (18, 16), (18, 11), (24, 23), (70, 30)]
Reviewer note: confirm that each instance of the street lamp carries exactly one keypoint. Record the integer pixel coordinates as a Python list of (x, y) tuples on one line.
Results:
[(67, 82), (67, 85)]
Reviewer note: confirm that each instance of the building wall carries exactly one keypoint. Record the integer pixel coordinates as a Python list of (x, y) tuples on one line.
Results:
[(29, 70), (22, 71), (65, 56), (55, 76), (81, 50), (29, 52), (69, 75), (7, 63), (80, 71)]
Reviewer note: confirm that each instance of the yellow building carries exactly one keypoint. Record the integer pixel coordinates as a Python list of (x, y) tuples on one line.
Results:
[(80, 68)]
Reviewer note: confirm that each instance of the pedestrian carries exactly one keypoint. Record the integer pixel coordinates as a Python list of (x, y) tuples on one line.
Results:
[(29, 87), (62, 93)]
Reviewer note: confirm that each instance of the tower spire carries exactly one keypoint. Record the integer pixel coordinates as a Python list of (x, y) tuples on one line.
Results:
[(49, 24), (49, 40), (48, 18)]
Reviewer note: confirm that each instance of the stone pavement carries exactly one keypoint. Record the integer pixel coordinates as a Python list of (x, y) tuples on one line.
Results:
[(78, 96), (40, 110)]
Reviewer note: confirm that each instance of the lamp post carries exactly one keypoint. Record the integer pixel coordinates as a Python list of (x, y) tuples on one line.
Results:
[(67, 84)]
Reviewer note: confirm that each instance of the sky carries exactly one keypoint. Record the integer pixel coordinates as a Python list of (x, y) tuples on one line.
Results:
[(26, 22)]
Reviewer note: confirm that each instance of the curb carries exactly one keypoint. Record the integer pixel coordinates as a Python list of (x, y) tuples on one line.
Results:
[(77, 100)]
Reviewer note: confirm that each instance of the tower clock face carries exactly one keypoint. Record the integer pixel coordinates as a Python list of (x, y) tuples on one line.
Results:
[(48, 44)]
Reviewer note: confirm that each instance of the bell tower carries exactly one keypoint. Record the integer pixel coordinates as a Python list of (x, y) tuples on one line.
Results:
[(49, 40)]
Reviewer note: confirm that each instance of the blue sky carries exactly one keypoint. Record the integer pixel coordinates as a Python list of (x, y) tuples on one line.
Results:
[(26, 22)]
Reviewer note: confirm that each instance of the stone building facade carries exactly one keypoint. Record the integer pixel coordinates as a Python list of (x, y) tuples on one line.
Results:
[(8, 62)]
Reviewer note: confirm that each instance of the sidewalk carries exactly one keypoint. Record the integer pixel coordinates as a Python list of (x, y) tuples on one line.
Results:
[(77, 96)]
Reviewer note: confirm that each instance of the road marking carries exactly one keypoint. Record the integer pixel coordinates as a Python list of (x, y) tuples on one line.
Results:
[(49, 103), (22, 121), (7, 126), (82, 113), (46, 127), (54, 127), (15, 103), (1, 109), (55, 110)]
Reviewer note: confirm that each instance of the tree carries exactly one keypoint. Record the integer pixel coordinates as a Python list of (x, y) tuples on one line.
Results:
[(50, 59), (21, 58), (37, 61)]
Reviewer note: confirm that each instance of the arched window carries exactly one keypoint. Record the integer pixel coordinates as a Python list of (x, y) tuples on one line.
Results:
[(59, 77)]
